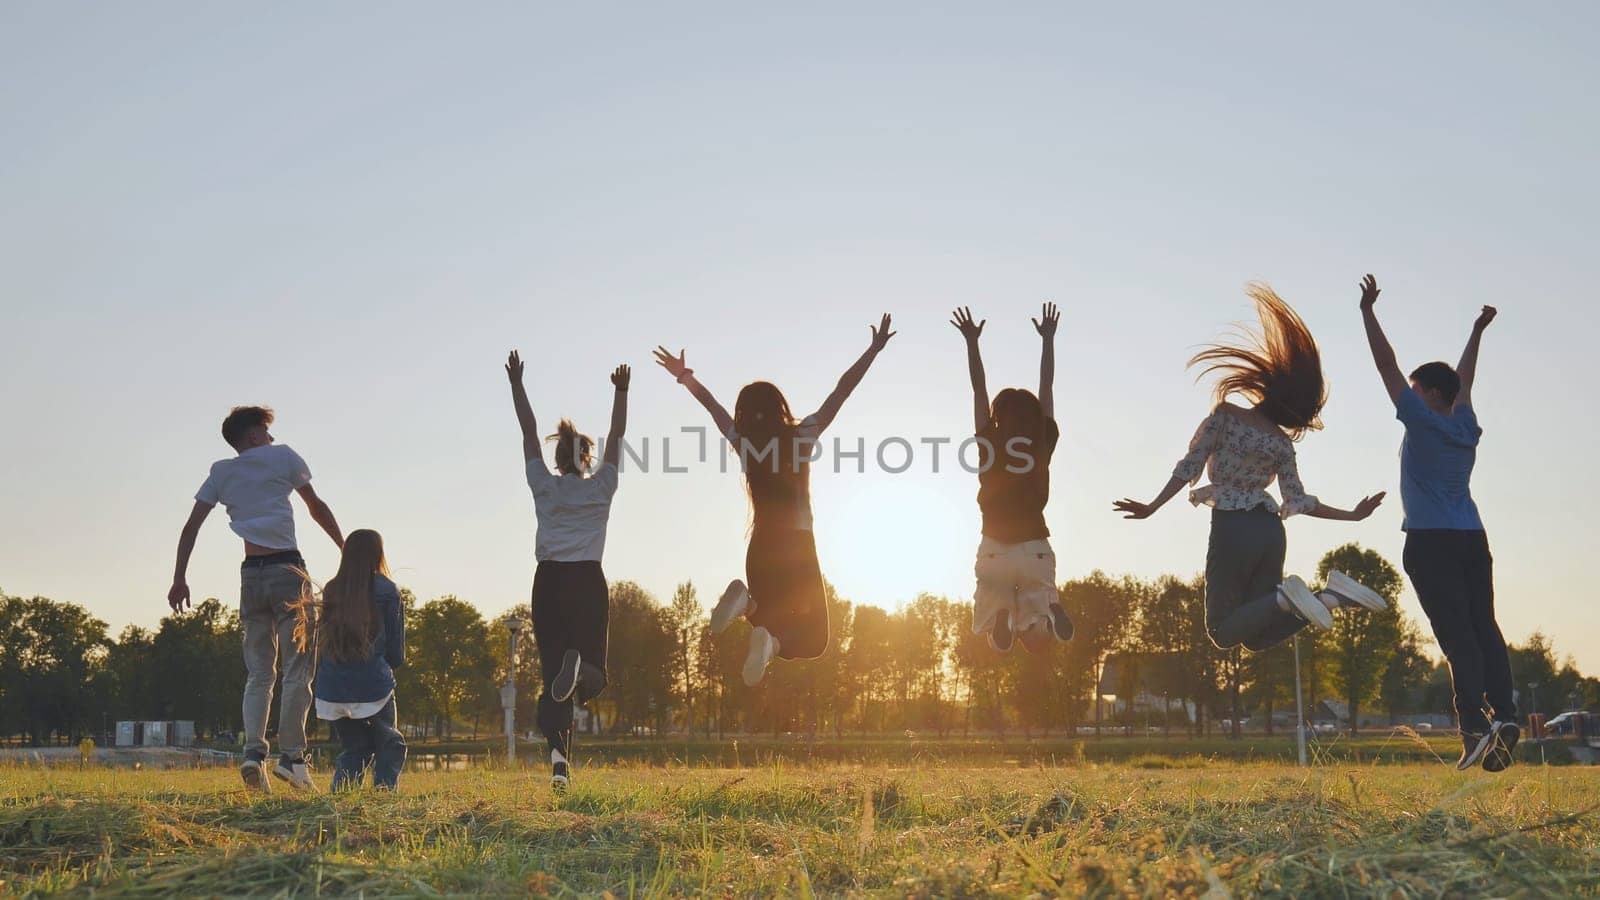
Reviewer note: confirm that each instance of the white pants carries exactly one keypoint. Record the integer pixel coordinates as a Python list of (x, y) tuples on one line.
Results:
[(1020, 578)]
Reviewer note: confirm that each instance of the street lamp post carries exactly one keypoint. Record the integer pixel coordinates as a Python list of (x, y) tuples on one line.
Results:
[(508, 691), (1299, 707)]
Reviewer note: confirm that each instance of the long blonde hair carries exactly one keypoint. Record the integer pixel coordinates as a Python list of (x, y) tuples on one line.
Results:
[(345, 617), (1278, 369)]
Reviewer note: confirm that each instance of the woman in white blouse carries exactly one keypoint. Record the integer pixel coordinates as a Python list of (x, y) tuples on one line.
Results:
[(1244, 449)]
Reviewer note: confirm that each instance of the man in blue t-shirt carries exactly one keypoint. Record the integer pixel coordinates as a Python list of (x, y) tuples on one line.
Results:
[(1447, 552)]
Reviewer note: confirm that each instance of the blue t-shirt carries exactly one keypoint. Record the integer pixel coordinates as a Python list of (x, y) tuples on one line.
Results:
[(1436, 461)]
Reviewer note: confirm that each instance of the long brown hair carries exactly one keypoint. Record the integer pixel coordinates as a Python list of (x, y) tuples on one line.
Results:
[(776, 477), (1278, 369), (345, 619)]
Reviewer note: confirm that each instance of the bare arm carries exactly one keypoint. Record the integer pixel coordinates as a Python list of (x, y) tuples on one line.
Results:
[(1046, 324), (1133, 509), (619, 413), (519, 399), (853, 375), (1394, 381), (322, 514), (962, 320), (1468, 367), (1361, 511), (178, 594), (679, 369)]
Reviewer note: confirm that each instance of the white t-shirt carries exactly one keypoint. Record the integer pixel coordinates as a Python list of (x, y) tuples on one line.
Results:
[(255, 487), (572, 512), (807, 433)]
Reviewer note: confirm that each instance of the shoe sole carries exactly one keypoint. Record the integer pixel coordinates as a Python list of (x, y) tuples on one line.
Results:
[(724, 613), (1471, 759), (287, 777), (1061, 625), (558, 783), (753, 662), (1306, 604), (255, 778), (1359, 594), (566, 680), (1500, 757)]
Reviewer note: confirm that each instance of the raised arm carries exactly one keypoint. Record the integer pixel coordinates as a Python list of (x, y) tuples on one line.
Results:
[(519, 399), (1046, 324), (178, 594), (962, 320), (321, 513), (619, 413), (1394, 381), (853, 375), (679, 369), (1468, 367)]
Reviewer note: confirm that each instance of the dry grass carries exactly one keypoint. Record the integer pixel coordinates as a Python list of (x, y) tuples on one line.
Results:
[(874, 830)]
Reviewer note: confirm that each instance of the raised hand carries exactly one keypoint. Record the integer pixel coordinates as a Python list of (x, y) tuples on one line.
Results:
[(620, 377), (1367, 505), (675, 365), (178, 596), (881, 333), (1049, 318), (1133, 509), (514, 367), (1369, 291), (962, 320), (1484, 318)]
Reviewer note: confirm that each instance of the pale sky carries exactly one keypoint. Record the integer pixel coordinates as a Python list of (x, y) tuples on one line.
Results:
[(352, 212)]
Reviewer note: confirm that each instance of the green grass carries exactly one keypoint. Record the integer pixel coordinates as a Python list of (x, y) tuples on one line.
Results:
[(1157, 825)]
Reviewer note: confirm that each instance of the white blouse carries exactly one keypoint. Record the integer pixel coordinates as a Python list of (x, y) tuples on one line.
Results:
[(1242, 461)]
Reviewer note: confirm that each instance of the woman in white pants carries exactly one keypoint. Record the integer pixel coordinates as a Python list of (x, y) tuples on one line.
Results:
[(1016, 436)]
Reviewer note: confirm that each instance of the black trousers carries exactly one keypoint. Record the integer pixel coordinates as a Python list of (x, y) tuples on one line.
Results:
[(785, 581), (1453, 575), (1244, 566), (571, 611)]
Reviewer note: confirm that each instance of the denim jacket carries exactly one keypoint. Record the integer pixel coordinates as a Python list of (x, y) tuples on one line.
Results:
[(371, 679)]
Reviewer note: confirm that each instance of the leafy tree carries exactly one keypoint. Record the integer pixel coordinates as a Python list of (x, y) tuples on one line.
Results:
[(1362, 641), (451, 659)]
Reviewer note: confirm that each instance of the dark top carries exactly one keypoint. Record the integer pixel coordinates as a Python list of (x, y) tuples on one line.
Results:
[(1012, 502), (371, 679)]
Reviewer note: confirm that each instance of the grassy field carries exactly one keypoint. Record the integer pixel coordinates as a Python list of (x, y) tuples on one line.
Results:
[(1148, 826)]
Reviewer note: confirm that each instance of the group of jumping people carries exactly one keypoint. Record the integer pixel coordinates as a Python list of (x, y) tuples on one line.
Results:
[(339, 646)]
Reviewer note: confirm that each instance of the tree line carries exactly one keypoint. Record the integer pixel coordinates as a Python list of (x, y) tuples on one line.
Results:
[(918, 668)]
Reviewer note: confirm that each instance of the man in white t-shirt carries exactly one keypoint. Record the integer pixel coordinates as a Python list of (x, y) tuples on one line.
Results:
[(255, 486)]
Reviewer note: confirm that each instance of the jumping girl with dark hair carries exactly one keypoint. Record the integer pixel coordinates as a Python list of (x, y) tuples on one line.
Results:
[(571, 604), (1016, 435), (785, 600), (1246, 448)]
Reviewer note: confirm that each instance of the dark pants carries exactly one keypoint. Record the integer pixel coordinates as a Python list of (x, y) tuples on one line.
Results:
[(1453, 575), (1244, 566), (786, 591), (570, 612), (373, 741)]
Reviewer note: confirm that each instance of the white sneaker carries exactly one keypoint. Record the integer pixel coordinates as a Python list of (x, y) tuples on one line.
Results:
[(1352, 591), (735, 600), (762, 647), (296, 773), (255, 776), (1305, 603)]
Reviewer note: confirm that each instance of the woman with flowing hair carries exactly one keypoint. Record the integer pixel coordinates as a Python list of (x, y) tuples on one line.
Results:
[(1278, 373), (359, 634), (785, 600), (571, 602), (1016, 438)]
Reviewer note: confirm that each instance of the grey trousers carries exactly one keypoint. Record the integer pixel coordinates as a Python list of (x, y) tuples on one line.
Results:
[(1244, 566), (266, 594)]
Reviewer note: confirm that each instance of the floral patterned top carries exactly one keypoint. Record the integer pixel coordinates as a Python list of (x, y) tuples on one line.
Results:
[(1243, 461)]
